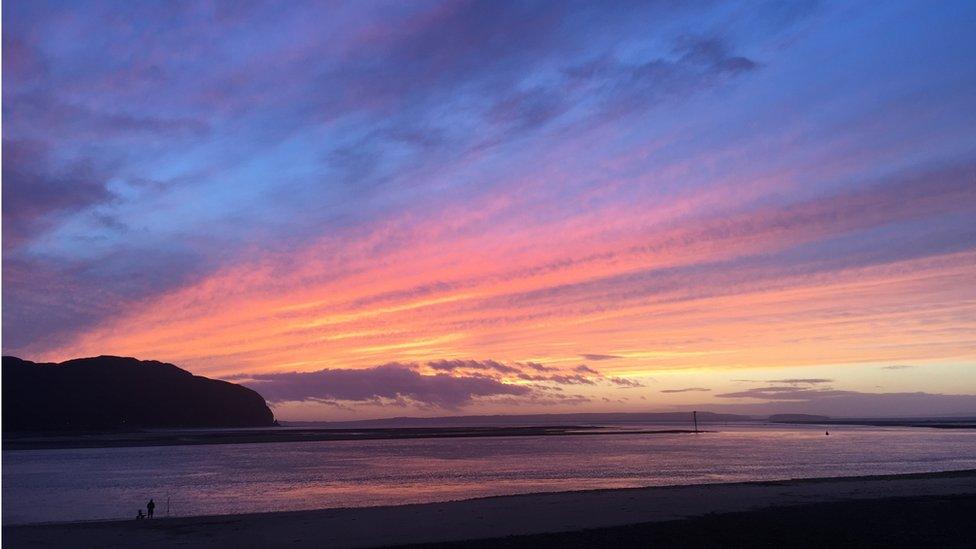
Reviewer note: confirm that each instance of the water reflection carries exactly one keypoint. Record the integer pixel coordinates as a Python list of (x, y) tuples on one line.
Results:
[(43, 485)]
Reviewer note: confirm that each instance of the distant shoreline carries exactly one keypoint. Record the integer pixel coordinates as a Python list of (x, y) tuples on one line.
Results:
[(626, 515), (376, 430), (49, 441), (961, 424)]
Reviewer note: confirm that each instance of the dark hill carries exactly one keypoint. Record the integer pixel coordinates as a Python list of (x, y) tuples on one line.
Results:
[(110, 392)]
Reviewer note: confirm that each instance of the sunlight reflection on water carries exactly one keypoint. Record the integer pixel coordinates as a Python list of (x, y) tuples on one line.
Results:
[(46, 485)]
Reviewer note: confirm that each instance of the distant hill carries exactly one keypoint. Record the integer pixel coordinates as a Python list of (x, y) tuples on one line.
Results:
[(935, 422), (797, 418), (611, 418), (110, 393)]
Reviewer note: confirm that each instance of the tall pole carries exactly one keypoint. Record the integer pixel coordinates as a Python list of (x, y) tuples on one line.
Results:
[(694, 415)]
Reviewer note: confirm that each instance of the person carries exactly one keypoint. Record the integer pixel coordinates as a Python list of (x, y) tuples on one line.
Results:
[(150, 507), (139, 515)]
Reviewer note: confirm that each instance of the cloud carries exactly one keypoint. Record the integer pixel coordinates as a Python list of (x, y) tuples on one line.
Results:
[(802, 380), (534, 371), (538, 367), (76, 293), (783, 392), (527, 371), (456, 384), (36, 193), (838, 403), (447, 136), (66, 121), (713, 53), (397, 72), (626, 383), (599, 357), (390, 382), (686, 390), (898, 367), (451, 365), (695, 64), (562, 379)]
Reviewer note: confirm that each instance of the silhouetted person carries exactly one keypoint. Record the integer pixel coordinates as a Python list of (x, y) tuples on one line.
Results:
[(827, 433), (139, 515), (150, 507)]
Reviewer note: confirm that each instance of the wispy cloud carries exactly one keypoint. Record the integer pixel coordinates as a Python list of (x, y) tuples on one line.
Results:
[(39, 192), (599, 357), (523, 181), (687, 390), (802, 380), (451, 365), (785, 393), (626, 383)]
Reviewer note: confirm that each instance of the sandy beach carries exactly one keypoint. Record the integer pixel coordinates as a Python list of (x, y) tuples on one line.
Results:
[(565, 514)]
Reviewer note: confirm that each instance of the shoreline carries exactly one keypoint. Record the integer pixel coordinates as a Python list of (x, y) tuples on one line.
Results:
[(52, 440), (16, 442), (489, 517), (271, 435)]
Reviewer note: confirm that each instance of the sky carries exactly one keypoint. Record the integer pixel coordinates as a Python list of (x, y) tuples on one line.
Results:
[(368, 209)]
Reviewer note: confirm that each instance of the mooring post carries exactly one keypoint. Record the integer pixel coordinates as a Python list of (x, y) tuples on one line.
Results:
[(694, 416)]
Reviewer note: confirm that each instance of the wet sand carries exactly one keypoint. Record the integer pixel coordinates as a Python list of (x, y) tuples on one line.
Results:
[(628, 517), (934, 521)]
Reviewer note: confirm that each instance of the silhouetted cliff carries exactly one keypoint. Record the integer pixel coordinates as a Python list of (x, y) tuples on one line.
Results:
[(109, 392)]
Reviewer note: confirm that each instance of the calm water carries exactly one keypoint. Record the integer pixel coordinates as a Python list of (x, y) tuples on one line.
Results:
[(54, 485)]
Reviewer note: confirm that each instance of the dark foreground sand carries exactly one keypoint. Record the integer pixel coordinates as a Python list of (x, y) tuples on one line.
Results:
[(934, 509), (933, 521)]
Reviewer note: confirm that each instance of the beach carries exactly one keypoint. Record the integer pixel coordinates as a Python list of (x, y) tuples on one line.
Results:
[(626, 516)]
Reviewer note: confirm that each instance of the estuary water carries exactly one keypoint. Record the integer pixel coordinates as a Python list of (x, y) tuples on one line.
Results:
[(112, 483)]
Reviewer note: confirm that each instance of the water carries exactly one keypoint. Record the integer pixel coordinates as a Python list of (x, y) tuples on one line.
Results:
[(104, 483)]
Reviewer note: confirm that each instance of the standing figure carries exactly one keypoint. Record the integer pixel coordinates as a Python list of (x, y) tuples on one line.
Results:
[(150, 507)]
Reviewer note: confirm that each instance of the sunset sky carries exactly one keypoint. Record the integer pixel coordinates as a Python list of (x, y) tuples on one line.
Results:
[(368, 209)]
